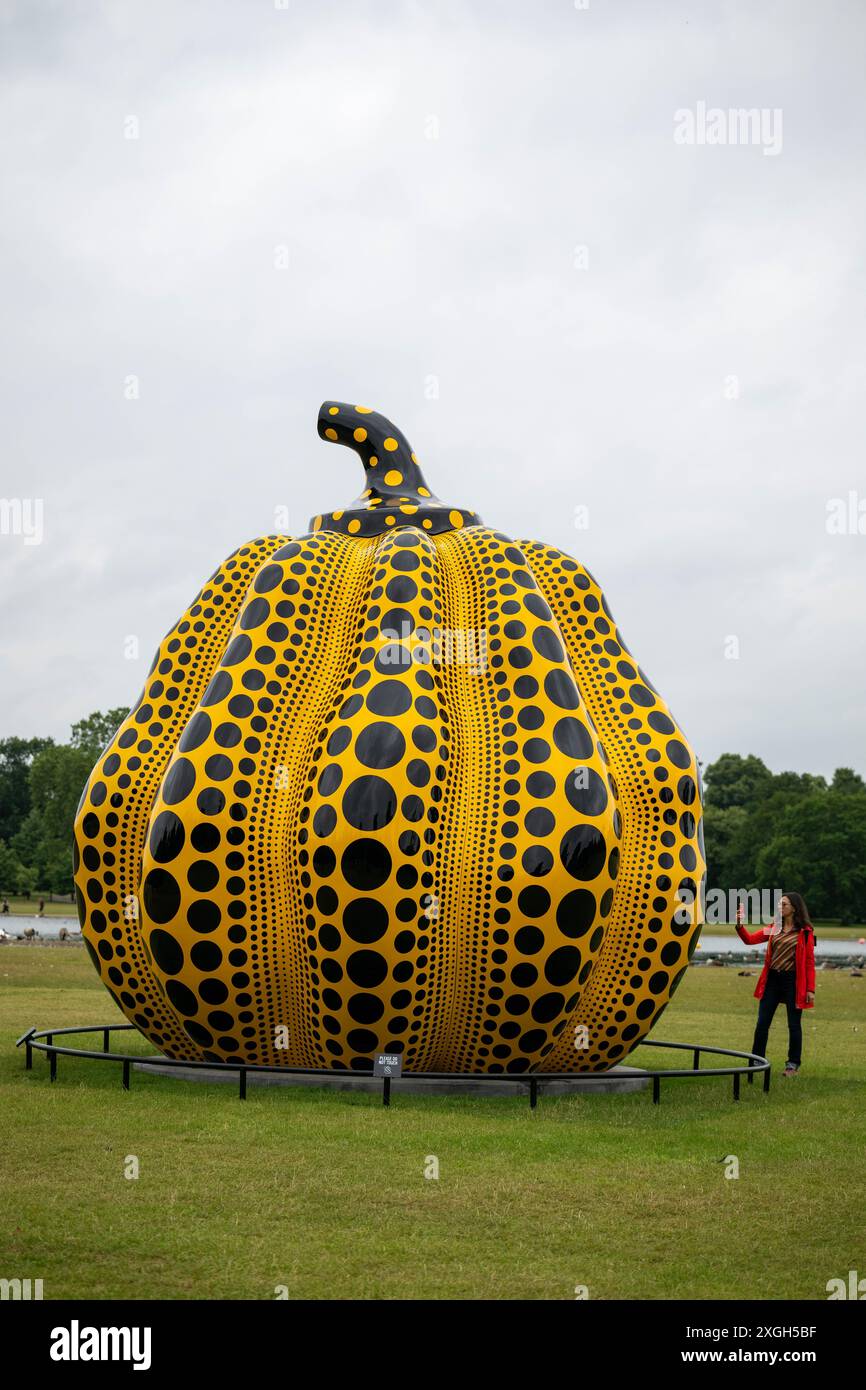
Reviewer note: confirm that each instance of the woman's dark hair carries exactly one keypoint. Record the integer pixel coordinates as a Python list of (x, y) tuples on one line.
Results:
[(801, 912)]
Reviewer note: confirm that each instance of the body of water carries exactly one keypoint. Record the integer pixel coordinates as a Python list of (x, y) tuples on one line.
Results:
[(710, 945), (47, 927), (731, 945)]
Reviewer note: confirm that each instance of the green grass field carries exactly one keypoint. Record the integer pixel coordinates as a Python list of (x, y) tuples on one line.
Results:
[(28, 907), (326, 1194)]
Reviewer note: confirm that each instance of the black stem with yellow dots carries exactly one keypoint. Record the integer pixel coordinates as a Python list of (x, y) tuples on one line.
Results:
[(396, 493)]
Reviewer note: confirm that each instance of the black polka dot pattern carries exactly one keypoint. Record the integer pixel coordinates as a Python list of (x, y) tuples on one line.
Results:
[(654, 917), (394, 789), (118, 819)]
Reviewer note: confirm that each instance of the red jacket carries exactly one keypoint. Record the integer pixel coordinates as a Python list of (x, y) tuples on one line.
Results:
[(805, 961)]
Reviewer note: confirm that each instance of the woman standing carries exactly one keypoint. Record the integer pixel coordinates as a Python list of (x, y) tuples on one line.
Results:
[(788, 976)]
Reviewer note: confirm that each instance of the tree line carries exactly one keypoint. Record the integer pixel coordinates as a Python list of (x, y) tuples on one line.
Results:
[(787, 830), (768, 830), (40, 786)]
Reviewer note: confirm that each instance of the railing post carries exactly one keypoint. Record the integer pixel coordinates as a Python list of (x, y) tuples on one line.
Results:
[(753, 1065)]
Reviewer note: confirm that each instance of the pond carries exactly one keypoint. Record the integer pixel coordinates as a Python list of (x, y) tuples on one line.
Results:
[(710, 944), (826, 947)]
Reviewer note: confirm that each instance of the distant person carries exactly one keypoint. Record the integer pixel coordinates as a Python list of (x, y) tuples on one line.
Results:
[(40, 912), (788, 976), (5, 907)]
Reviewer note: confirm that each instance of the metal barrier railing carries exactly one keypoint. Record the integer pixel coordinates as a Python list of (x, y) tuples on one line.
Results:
[(44, 1042)]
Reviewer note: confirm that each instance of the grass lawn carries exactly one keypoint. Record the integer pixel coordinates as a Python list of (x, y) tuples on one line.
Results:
[(28, 907), (326, 1194)]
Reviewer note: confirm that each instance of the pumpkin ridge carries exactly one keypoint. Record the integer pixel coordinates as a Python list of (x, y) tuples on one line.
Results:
[(470, 806), (116, 805), (656, 799)]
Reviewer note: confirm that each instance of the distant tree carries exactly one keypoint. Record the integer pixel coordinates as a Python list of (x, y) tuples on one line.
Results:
[(16, 755), (845, 780), (44, 841), (25, 842), (723, 836), (12, 871), (819, 849), (40, 787), (737, 836), (27, 882), (733, 780), (92, 734), (797, 783)]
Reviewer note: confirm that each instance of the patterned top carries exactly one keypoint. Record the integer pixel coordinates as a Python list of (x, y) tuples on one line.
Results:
[(396, 492), (784, 950)]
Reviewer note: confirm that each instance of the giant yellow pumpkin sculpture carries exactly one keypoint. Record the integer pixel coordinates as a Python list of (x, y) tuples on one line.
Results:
[(396, 785)]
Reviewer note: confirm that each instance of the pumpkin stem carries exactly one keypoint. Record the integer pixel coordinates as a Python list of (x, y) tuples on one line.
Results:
[(391, 467), (395, 492)]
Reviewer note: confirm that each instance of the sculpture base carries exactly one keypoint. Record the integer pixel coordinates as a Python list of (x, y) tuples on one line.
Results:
[(618, 1080)]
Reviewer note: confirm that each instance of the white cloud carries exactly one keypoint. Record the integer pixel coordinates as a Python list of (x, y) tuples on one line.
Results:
[(409, 256)]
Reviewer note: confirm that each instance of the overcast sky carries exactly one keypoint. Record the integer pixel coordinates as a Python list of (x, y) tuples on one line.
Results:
[(473, 216)]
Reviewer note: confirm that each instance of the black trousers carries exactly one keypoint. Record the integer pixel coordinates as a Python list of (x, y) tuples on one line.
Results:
[(780, 989)]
